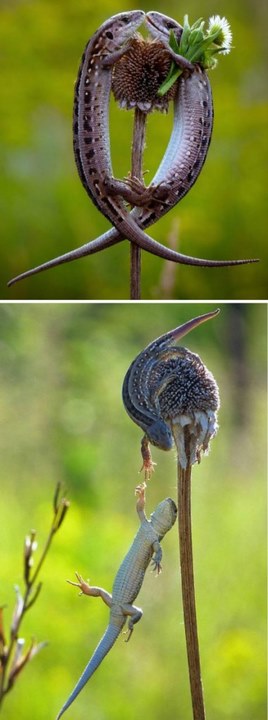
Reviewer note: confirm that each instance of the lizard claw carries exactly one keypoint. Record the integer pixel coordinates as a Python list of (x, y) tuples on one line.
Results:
[(156, 566), (128, 633), (140, 489), (83, 586)]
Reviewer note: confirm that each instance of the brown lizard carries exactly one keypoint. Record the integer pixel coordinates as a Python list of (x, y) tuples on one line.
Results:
[(182, 162), (146, 379)]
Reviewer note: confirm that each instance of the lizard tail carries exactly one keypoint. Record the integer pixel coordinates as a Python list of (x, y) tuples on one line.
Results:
[(105, 644), (111, 237)]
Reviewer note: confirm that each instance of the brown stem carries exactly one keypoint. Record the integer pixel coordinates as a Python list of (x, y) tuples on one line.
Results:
[(136, 171), (4, 689), (188, 590), (60, 509)]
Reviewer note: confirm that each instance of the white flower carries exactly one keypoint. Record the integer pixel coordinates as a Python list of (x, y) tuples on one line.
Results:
[(224, 37)]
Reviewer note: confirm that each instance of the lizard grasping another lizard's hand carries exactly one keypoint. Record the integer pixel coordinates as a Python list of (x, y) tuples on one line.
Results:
[(128, 581), (183, 159)]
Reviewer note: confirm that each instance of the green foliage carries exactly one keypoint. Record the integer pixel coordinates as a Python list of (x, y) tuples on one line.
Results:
[(44, 208), (62, 418), (198, 45)]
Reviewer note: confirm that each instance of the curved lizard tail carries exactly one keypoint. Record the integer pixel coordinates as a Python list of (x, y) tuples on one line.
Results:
[(111, 237), (105, 644)]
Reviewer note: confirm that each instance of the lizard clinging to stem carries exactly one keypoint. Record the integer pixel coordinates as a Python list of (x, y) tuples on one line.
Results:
[(145, 381), (128, 581), (183, 159)]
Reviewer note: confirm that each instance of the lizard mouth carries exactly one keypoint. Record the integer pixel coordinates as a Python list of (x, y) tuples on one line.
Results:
[(150, 21)]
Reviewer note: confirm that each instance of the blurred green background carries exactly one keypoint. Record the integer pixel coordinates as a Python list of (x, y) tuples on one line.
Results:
[(44, 208), (62, 418)]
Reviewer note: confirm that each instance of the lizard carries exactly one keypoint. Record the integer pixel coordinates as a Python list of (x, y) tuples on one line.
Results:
[(140, 396), (179, 169), (128, 581)]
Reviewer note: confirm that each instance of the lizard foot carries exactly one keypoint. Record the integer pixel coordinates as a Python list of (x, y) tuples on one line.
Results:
[(140, 491), (83, 586), (145, 195), (137, 193), (156, 565), (128, 633), (148, 464), (132, 190)]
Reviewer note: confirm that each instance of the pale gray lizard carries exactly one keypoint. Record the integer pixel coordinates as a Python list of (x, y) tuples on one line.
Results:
[(128, 581), (140, 395), (182, 162)]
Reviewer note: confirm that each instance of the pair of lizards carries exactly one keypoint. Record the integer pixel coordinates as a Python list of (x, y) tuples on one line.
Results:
[(143, 408), (183, 159)]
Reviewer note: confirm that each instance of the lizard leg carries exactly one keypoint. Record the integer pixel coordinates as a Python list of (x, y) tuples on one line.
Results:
[(157, 557), (147, 462), (109, 60), (180, 60), (92, 590), (140, 504), (134, 191), (157, 192), (135, 615)]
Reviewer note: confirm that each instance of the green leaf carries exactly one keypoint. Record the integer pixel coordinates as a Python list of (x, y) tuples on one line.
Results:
[(194, 45), (173, 42), (167, 84)]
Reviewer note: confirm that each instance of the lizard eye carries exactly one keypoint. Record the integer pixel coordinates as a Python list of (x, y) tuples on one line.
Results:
[(171, 25)]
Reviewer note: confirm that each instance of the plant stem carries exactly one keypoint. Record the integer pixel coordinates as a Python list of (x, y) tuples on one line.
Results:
[(188, 590), (136, 171), (14, 635), (27, 602)]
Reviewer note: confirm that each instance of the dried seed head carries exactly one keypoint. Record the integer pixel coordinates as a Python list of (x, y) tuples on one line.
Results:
[(186, 384), (138, 75), (188, 399)]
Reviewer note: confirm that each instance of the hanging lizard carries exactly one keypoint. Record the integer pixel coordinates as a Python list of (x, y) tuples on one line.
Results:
[(128, 581), (140, 398), (181, 164)]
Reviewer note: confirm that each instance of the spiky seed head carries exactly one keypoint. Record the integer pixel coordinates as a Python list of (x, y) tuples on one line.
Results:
[(138, 75), (188, 399)]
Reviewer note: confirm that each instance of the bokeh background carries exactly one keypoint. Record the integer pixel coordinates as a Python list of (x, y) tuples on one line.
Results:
[(44, 208), (62, 418)]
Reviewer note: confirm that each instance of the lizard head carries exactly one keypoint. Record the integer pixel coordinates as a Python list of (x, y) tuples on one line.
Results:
[(159, 434), (160, 26), (122, 26), (164, 516)]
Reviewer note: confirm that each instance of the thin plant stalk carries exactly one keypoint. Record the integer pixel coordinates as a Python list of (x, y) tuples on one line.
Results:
[(136, 172), (187, 583), (60, 509)]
